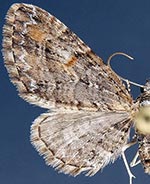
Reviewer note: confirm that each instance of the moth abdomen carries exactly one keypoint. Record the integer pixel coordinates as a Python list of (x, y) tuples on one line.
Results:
[(144, 152), (144, 155)]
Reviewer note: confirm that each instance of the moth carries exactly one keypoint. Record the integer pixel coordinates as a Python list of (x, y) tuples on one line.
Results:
[(90, 110)]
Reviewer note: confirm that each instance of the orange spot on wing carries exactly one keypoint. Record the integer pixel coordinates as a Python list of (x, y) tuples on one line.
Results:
[(71, 62)]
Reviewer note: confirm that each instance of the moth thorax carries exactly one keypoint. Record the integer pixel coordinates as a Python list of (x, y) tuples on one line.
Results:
[(142, 127), (142, 120)]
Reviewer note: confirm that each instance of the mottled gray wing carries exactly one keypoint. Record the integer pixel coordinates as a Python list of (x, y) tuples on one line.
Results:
[(77, 141), (52, 67)]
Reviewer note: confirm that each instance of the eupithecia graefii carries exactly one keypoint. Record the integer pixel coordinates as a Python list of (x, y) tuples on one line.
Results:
[(90, 110)]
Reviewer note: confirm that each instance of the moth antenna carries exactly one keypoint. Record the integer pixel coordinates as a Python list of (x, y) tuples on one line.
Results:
[(118, 53), (126, 80)]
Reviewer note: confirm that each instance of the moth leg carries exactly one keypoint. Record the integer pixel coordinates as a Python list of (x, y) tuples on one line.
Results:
[(125, 160), (128, 82), (134, 161), (127, 167)]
